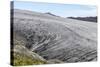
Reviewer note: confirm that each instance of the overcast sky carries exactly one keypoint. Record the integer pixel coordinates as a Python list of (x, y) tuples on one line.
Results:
[(64, 10)]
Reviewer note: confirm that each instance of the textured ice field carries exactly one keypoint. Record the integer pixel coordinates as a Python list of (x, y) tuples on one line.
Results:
[(55, 37)]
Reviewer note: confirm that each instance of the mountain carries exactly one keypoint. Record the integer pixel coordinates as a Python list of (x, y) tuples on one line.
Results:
[(51, 14), (91, 19), (52, 37)]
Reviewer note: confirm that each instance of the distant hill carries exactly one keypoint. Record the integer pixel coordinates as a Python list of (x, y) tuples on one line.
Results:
[(51, 14), (91, 19)]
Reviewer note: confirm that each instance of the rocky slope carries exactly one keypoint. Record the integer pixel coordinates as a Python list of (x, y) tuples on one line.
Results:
[(53, 37)]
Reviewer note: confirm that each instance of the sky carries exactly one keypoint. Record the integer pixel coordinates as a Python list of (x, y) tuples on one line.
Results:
[(63, 10)]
